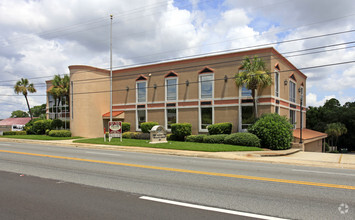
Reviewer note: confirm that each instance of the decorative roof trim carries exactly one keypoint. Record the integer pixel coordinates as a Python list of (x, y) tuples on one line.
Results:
[(171, 74), (206, 69), (292, 76), (277, 66), (141, 77)]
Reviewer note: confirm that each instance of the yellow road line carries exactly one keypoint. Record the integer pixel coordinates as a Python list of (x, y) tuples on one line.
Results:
[(189, 171)]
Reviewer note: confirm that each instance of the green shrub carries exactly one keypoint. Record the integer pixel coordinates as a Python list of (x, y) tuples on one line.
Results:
[(181, 130), (144, 136), (147, 126), (57, 124), (243, 139), (215, 139), (59, 133), (220, 128), (29, 126), (126, 127), (40, 126), (47, 131), (14, 133), (274, 131), (129, 135), (195, 138), (170, 137)]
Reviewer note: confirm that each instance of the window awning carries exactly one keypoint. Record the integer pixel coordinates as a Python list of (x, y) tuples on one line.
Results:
[(115, 115)]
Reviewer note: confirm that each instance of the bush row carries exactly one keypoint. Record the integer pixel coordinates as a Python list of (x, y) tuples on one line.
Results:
[(41, 126), (242, 139), (136, 135), (14, 133), (59, 133), (220, 128)]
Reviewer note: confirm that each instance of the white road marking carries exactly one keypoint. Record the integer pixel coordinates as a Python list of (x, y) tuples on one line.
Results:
[(313, 171), (246, 214), (4, 144), (89, 152)]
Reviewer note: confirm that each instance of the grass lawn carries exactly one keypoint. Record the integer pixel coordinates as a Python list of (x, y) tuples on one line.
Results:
[(38, 137), (177, 145)]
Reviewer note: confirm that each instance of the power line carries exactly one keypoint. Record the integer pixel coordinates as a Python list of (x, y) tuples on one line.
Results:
[(223, 51), (162, 85)]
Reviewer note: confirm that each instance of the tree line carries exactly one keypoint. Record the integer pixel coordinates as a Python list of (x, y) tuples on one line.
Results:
[(337, 120)]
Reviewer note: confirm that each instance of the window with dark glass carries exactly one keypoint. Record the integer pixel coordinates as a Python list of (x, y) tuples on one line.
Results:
[(247, 116), (170, 117), (206, 117), (293, 118), (141, 117), (277, 80)]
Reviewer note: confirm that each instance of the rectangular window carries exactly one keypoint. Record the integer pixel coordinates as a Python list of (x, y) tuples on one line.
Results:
[(206, 117), (141, 117), (293, 118), (206, 86), (171, 89), (247, 116), (292, 91), (245, 91), (170, 117), (277, 109), (277, 81), (141, 91)]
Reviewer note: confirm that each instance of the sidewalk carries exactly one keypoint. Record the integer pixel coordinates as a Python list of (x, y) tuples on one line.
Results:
[(291, 156)]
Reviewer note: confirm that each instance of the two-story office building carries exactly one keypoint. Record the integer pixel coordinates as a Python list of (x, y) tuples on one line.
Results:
[(200, 91)]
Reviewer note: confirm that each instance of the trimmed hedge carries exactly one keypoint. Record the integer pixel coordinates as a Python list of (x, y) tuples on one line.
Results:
[(40, 126), (59, 133), (126, 127), (147, 126), (274, 131), (14, 133), (215, 139), (243, 139), (181, 130), (136, 135), (56, 124), (220, 128), (195, 138), (170, 137)]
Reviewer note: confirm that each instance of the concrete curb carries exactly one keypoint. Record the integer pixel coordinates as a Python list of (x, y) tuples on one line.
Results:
[(275, 157)]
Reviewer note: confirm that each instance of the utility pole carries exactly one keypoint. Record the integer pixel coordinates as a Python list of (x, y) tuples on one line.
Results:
[(301, 115), (111, 17)]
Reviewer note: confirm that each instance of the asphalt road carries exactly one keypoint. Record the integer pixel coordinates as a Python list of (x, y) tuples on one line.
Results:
[(284, 191)]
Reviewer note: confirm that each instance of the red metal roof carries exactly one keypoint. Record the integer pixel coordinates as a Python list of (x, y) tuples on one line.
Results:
[(114, 114), (15, 121), (308, 134)]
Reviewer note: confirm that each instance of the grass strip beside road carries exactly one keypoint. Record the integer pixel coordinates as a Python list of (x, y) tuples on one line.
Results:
[(38, 137), (176, 145)]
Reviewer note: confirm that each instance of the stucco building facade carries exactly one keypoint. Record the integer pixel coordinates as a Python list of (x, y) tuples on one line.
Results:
[(200, 91)]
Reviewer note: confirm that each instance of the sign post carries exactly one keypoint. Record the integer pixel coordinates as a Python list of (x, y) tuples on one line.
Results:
[(115, 130)]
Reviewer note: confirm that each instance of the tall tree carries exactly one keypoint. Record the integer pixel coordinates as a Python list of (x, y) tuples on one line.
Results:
[(39, 111), (334, 130), (254, 76), (19, 114), (24, 87)]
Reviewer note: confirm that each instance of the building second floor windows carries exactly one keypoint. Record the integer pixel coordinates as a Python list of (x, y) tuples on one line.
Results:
[(292, 92), (206, 86), (141, 91), (171, 89)]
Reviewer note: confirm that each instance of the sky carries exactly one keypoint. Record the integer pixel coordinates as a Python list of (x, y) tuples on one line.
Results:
[(41, 38)]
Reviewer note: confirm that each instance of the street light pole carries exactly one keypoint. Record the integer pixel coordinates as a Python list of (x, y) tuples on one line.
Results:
[(301, 115), (111, 17)]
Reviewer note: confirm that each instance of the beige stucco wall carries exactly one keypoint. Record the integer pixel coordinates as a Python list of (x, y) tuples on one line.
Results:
[(227, 114), (89, 102)]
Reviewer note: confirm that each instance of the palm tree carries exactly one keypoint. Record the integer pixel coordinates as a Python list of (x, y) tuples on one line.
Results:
[(335, 130), (254, 76), (24, 87)]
